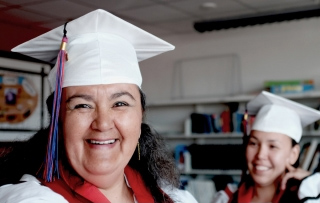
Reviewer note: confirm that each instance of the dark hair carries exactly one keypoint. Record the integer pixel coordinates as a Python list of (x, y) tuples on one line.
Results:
[(156, 166), (23, 157)]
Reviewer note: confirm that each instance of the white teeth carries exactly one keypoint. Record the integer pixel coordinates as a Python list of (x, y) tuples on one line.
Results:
[(262, 168), (102, 142)]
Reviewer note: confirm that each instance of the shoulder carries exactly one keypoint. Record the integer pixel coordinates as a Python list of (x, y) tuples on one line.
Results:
[(179, 196), (310, 188), (224, 196), (29, 190)]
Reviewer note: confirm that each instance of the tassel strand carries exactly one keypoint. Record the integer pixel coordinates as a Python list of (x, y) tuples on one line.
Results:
[(51, 167)]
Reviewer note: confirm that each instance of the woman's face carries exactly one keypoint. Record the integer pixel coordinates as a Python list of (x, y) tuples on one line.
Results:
[(267, 154), (101, 127)]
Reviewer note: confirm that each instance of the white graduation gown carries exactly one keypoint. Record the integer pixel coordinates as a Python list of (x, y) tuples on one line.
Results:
[(31, 191)]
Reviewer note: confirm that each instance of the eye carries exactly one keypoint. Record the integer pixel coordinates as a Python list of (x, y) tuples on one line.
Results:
[(273, 146), (119, 104), (252, 143), (80, 106)]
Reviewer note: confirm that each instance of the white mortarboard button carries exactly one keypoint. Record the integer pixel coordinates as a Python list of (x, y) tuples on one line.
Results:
[(102, 49), (280, 115)]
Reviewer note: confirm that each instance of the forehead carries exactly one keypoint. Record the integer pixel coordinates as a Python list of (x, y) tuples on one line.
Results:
[(103, 89), (270, 136)]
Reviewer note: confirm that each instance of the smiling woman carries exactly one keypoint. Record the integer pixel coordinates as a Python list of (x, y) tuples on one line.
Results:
[(98, 147), (103, 127), (271, 151)]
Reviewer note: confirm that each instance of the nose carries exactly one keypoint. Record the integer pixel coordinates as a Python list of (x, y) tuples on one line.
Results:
[(262, 152), (103, 120)]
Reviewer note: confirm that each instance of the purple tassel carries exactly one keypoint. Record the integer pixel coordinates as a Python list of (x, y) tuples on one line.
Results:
[(51, 167)]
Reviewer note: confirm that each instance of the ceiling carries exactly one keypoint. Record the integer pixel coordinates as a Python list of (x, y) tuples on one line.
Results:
[(160, 17)]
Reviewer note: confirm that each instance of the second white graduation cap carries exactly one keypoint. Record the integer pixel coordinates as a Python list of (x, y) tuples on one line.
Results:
[(277, 114), (102, 49)]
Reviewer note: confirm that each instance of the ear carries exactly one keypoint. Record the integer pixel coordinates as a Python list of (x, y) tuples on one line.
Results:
[(294, 155)]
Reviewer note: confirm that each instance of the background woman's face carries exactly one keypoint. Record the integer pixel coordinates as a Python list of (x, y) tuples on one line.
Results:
[(101, 127), (267, 154)]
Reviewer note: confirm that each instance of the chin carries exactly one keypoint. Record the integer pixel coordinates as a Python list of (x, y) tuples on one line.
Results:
[(262, 182), (100, 171), (98, 181)]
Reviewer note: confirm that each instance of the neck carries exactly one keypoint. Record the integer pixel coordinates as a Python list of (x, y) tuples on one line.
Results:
[(105, 181), (118, 192), (263, 194), (113, 186)]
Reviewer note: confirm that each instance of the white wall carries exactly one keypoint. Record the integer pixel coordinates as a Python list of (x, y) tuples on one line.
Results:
[(287, 50)]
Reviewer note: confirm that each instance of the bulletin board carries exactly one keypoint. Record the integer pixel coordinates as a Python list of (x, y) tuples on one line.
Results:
[(210, 76), (23, 91)]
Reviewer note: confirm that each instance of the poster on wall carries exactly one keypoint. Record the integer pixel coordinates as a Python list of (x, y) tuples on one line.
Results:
[(23, 92), (207, 77)]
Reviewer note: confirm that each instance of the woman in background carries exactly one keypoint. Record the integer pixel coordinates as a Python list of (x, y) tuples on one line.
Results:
[(97, 147), (271, 150)]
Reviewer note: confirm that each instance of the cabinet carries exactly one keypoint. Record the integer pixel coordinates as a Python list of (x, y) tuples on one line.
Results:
[(170, 119)]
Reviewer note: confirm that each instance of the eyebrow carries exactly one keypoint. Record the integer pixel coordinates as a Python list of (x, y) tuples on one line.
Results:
[(89, 98), (269, 140), (274, 141), (83, 96), (119, 94)]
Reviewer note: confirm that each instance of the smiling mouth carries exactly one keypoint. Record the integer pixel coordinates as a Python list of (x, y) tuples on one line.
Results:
[(261, 168), (97, 142)]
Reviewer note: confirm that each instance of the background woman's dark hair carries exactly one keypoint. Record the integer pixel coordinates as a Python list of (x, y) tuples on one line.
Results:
[(156, 165)]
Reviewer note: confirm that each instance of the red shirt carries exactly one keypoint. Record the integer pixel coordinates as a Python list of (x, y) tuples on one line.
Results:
[(73, 190)]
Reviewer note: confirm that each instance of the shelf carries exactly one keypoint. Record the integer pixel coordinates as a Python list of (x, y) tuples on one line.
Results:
[(211, 172), (239, 98), (311, 134), (225, 99), (223, 136), (202, 136)]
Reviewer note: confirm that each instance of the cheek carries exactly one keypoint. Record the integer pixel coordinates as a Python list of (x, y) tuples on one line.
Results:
[(74, 130), (75, 126), (129, 124), (250, 154), (129, 127), (280, 159)]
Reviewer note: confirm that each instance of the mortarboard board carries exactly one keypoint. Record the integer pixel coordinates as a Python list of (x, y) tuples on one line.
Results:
[(277, 114), (102, 49)]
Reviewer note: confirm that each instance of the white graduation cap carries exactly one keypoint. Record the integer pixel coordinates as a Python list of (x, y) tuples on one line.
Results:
[(280, 115), (102, 49)]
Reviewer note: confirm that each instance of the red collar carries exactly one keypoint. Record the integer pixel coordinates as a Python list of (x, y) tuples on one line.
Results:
[(245, 194), (74, 190)]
